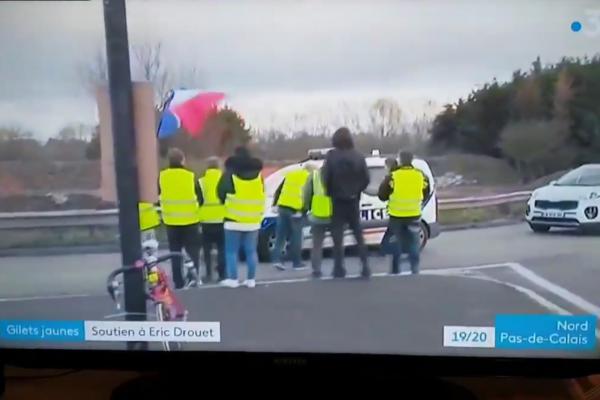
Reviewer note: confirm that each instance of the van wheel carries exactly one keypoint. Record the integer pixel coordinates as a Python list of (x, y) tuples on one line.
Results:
[(266, 242), (423, 235)]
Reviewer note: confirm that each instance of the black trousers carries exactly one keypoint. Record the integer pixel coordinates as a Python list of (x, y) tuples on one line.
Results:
[(346, 212), (213, 234), (183, 237)]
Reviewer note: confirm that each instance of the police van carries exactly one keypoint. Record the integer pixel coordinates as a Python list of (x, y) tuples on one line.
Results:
[(373, 211)]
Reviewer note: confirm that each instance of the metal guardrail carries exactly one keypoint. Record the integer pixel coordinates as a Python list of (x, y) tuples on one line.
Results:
[(483, 201), (92, 218)]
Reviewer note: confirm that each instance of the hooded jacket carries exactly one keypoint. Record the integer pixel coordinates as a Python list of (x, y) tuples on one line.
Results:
[(244, 167), (345, 174)]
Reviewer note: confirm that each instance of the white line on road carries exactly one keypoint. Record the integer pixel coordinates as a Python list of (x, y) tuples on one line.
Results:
[(536, 297), (53, 297), (274, 281), (559, 291)]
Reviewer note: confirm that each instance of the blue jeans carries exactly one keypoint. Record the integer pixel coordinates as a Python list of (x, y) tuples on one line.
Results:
[(407, 241), (288, 226), (233, 241), (387, 246)]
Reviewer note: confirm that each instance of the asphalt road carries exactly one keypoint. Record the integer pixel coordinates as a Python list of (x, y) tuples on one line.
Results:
[(468, 277)]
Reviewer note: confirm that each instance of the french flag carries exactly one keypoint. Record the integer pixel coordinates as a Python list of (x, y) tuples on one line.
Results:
[(187, 109)]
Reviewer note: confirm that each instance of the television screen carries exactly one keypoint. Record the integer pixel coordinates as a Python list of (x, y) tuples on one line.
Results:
[(301, 176)]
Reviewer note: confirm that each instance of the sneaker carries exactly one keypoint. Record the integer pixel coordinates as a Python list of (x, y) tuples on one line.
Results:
[(300, 267), (230, 283), (317, 274), (251, 283), (279, 266)]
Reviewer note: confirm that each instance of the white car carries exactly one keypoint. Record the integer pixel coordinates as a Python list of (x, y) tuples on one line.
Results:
[(373, 211), (570, 202)]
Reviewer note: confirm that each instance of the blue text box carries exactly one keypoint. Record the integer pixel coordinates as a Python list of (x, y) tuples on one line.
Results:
[(40, 330), (546, 332)]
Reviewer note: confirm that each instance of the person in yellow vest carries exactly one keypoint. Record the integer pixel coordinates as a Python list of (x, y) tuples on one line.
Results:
[(289, 199), (149, 217), (212, 214), (319, 204), (180, 197), (404, 190), (242, 190)]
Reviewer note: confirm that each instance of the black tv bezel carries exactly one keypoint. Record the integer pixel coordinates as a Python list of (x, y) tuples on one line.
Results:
[(372, 363)]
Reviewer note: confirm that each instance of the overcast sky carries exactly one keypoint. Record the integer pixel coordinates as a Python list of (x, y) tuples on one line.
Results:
[(276, 59)]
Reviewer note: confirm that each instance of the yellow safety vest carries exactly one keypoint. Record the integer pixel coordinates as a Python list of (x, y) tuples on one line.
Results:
[(149, 217), (320, 205), (292, 191), (407, 193), (178, 200), (247, 204), (212, 211)]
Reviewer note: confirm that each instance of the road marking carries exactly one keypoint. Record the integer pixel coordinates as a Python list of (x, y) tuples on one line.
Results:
[(34, 298), (544, 302), (559, 291), (432, 271)]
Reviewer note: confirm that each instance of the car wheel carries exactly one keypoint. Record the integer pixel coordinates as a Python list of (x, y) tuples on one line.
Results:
[(423, 235), (266, 241), (266, 244), (539, 228)]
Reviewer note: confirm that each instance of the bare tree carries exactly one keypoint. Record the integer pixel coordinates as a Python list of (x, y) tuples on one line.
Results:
[(147, 63), (94, 72), (349, 118), (386, 117)]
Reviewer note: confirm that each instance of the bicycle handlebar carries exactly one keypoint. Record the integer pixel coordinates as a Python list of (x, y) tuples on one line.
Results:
[(113, 290)]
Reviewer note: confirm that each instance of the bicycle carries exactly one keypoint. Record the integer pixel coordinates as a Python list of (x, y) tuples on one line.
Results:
[(167, 306)]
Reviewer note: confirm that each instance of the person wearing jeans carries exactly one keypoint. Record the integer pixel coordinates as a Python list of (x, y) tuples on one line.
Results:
[(247, 241), (289, 199), (289, 225), (404, 190), (319, 204), (407, 234), (241, 189)]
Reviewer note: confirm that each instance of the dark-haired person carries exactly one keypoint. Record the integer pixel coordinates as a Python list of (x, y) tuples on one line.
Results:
[(404, 191), (241, 189), (180, 197), (391, 164), (345, 176)]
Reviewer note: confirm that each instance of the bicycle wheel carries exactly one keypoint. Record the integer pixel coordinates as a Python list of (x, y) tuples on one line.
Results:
[(163, 314)]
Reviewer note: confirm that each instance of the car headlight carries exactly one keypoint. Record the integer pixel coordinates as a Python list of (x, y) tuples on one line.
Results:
[(591, 212), (594, 195)]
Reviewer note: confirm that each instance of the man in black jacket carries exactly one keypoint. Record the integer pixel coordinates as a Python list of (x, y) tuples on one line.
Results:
[(345, 177)]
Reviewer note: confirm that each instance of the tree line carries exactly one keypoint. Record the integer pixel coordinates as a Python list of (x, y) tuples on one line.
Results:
[(542, 120)]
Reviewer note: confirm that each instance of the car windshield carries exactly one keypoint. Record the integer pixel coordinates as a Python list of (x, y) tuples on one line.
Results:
[(584, 176), (376, 174)]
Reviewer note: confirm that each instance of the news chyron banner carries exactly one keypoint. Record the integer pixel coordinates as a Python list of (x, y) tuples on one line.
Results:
[(528, 332), (110, 331)]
